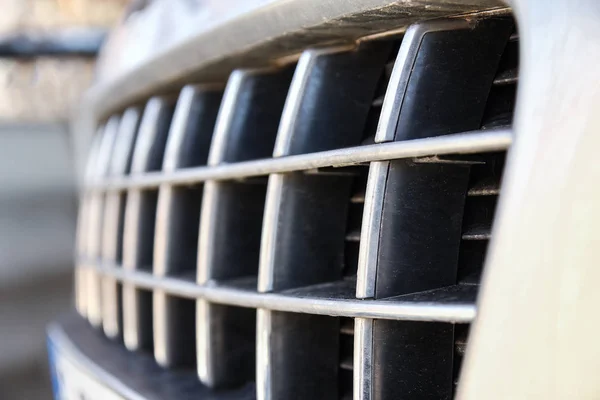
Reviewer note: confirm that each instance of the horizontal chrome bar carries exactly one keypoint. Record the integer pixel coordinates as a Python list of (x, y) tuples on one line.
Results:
[(454, 304), (460, 143)]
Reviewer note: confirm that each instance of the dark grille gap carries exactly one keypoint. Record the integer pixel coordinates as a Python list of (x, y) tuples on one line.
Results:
[(354, 221), (484, 188), (482, 196), (368, 136), (345, 372), (178, 314), (501, 100), (461, 333)]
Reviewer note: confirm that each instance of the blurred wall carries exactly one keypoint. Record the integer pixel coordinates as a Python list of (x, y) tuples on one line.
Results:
[(38, 198)]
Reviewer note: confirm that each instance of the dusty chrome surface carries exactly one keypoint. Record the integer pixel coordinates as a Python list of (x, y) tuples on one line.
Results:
[(371, 226), (204, 41), (452, 304), (363, 358)]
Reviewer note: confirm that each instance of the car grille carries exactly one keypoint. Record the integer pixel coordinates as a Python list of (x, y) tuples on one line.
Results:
[(312, 229)]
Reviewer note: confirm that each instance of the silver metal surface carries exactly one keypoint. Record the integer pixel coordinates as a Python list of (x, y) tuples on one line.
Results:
[(263, 358), (363, 356), (130, 302), (269, 231), (82, 228), (394, 95), (371, 227), (538, 319), (96, 221), (203, 331), (461, 143), (453, 304), (203, 340)]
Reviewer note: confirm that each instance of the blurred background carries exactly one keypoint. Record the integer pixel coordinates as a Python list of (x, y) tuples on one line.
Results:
[(47, 54)]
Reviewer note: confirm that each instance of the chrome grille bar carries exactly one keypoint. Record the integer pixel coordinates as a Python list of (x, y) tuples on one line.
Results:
[(460, 143), (455, 304)]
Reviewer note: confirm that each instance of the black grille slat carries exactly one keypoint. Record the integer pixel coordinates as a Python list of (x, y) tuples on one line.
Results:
[(232, 221), (140, 215), (177, 214), (112, 241), (310, 212), (425, 203)]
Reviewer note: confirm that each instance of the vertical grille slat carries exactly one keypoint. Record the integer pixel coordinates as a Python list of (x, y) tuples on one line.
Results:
[(140, 215), (417, 248), (96, 221), (81, 271), (305, 217), (112, 239), (231, 222), (177, 224)]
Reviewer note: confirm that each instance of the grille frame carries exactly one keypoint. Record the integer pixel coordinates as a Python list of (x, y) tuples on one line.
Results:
[(419, 309), (541, 119)]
